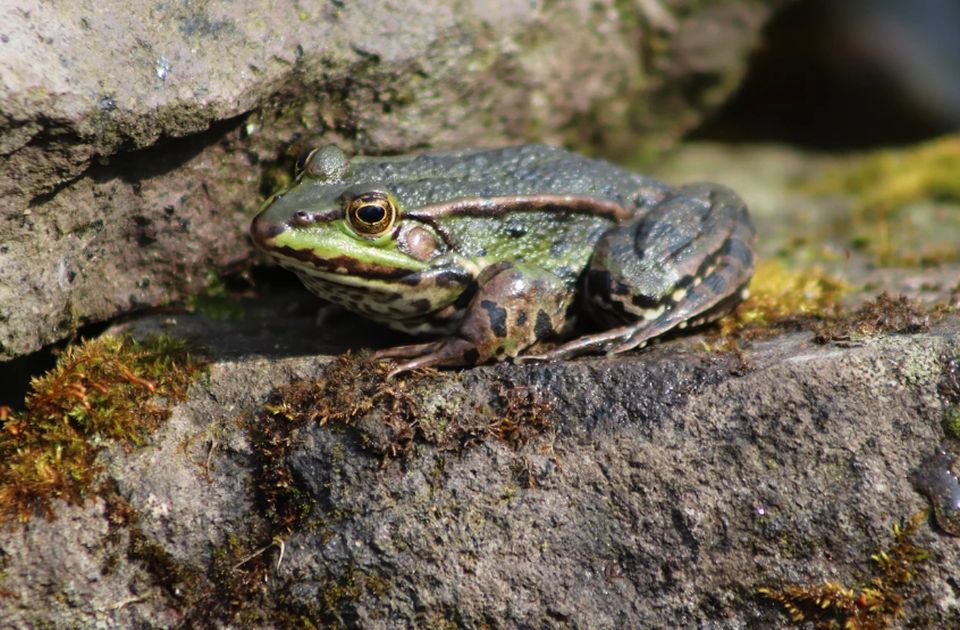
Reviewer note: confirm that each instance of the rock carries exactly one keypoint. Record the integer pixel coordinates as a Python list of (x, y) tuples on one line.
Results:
[(667, 488), (136, 141)]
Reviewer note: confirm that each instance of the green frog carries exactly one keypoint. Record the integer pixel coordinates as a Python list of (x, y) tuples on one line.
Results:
[(493, 251)]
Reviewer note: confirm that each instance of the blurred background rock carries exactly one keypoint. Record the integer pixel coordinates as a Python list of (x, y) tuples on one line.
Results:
[(851, 74)]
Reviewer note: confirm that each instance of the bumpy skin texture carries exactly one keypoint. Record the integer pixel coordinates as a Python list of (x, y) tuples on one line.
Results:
[(500, 249)]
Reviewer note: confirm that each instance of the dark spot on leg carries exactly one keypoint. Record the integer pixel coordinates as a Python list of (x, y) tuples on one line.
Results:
[(471, 356), (421, 306), (497, 315), (645, 301), (521, 318), (543, 327), (451, 278)]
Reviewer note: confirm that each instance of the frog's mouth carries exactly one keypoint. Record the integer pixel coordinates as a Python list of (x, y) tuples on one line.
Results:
[(339, 269)]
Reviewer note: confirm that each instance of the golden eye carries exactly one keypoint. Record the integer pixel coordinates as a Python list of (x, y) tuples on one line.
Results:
[(371, 214)]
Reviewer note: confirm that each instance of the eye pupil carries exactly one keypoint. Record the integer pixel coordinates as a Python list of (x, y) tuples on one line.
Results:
[(371, 214)]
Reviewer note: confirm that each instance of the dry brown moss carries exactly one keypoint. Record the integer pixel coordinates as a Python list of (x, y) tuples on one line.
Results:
[(388, 418), (425, 405), (884, 314), (875, 604), (102, 390)]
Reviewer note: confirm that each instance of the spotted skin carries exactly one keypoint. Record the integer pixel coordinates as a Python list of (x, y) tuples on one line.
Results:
[(485, 332)]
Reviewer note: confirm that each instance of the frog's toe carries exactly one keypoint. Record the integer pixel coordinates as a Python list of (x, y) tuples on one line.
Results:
[(450, 351), (588, 344), (405, 352)]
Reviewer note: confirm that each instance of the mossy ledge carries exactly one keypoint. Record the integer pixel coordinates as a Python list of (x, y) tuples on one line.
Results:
[(388, 419), (877, 603), (110, 389)]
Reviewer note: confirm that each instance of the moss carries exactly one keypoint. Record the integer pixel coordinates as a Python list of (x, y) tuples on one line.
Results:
[(876, 602), (232, 588), (240, 593), (884, 185), (889, 180), (777, 292), (884, 314), (780, 298), (183, 584), (111, 389), (951, 422), (389, 417), (285, 506)]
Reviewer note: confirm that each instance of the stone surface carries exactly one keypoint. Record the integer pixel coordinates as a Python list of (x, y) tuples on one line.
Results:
[(134, 137), (672, 484)]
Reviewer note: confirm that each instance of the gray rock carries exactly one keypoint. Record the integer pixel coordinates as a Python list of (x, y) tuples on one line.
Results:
[(671, 485), (134, 137)]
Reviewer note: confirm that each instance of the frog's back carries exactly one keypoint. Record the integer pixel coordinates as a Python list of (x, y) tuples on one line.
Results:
[(531, 169)]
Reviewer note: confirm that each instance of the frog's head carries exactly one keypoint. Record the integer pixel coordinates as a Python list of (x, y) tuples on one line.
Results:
[(332, 222)]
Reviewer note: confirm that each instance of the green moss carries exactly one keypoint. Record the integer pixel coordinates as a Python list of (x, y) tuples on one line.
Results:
[(951, 422), (780, 297), (889, 180), (898, 216), (111, 389), (777, 292), (876, 603)]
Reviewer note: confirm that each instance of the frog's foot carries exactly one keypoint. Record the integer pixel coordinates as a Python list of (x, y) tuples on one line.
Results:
[(447, 351)]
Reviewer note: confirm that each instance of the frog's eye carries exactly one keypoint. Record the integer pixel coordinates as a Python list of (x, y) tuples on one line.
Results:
[(372, 213)]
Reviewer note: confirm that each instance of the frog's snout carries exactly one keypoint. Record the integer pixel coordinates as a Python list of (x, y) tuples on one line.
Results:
[(263, 231)]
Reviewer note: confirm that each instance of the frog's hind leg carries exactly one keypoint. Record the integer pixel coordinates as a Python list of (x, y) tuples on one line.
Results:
[(703, 308), (685, 263)]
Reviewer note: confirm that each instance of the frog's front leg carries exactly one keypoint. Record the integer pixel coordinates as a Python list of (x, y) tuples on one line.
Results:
[(515, 306)]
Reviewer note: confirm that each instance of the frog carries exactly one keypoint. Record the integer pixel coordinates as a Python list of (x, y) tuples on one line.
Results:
[(505, 253)]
